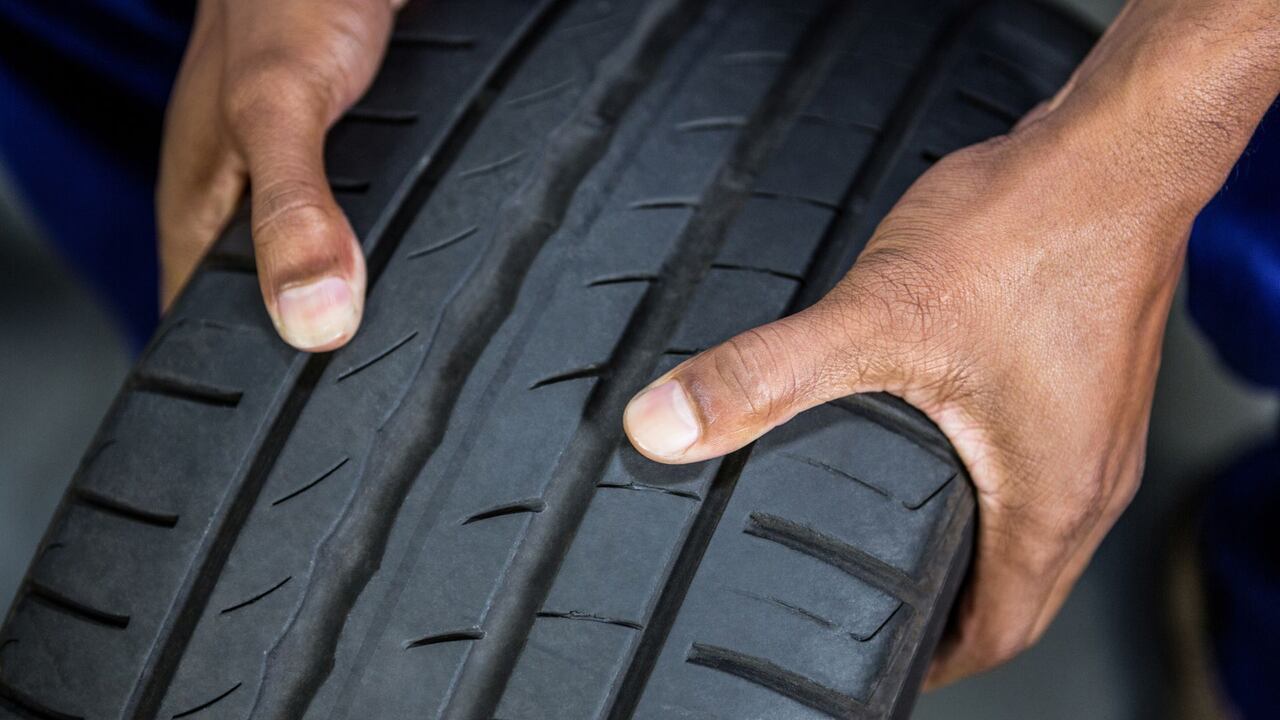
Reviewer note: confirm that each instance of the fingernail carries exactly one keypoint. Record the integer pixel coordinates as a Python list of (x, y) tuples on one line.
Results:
[(314, 315), (661, 421)]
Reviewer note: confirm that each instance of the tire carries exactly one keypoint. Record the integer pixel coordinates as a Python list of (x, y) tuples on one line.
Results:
[(559, 200)]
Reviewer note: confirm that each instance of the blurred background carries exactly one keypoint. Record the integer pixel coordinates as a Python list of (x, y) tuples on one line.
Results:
[(1106, 656)]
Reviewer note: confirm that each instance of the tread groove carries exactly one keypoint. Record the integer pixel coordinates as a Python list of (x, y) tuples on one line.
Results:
[(982, 102), (641, 487), (365, 364), (57, 601), (24, 705), (208, 703), (723, 122), (623, 279), (835, 471), (761, 270), (250, 601), (435, 41), (770, 676), (112, 506), (590, 371), (590, 617), (791, 608), (494, 166), (770, 195), (380, 116), (825, 548), (188, 389), (472, 633), (323, 476), (349, 185), (441, 245), (539, 95), (519, 507), (666, 203), (883, 623)]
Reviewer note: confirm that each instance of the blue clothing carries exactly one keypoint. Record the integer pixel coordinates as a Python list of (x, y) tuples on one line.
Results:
[(83, 85), (1234, 261), (82, 91)]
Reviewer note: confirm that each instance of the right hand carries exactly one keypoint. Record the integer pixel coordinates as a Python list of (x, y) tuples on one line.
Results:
[(259, 87)]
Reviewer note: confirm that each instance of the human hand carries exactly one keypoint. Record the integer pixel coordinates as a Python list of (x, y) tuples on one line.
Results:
[(259, 87), (1017, 294)]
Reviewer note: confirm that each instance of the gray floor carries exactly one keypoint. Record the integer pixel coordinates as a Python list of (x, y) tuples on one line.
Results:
[(61, 363)]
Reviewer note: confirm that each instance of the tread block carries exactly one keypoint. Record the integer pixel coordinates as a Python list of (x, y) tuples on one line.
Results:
[(816, 163), (210, 354), (408, 549), (67, 663), (616, 564), (730, 301), (103, 561), (566, 670), (775, 234)]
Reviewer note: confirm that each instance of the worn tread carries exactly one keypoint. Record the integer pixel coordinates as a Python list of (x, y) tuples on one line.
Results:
[(559, 199)]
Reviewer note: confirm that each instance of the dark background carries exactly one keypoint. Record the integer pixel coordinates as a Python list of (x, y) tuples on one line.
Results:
[(62, 360)]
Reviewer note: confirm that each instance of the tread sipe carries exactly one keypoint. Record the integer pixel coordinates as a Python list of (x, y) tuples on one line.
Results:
[(559, 200)]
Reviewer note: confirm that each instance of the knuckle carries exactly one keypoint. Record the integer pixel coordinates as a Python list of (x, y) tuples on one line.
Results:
[(271, 84), (753, 370), (913, 294), (287, 209)]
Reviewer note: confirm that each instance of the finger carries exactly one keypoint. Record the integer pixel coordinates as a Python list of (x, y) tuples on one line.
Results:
[(201, 180), (310, 266), (728, 396)]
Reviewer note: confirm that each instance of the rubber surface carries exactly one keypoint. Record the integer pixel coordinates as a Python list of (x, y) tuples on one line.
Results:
[(559, 200)]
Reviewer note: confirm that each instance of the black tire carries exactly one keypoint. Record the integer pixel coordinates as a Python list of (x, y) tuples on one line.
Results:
[(559, 199)]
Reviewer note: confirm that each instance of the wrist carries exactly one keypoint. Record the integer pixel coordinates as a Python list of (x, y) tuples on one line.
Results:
[(1168, 100)]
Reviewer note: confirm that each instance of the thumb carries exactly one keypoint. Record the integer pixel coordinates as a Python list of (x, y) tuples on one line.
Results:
[(726, 397), (310, 266)]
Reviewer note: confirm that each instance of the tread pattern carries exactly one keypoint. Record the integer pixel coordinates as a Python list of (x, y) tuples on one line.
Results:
[(442, 519)]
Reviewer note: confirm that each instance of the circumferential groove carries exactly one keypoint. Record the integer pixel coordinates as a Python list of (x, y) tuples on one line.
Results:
[(766, 674), (533, 505), (57, 601), (112, 506), (208, 703), (472, 633)]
